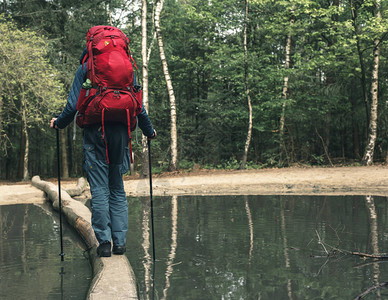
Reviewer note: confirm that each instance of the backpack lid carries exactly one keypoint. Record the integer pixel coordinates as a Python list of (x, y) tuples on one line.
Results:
[(100, 28)]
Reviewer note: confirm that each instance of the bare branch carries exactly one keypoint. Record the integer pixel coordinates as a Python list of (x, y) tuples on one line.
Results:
[(321, 243), (371, 289)]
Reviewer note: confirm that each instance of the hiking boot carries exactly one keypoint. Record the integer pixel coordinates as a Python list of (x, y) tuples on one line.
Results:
[(104, 249), (119, 250)]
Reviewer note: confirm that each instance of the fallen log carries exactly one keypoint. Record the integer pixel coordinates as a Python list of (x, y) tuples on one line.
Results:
[(77, 214), (113, 277), (79, 189)]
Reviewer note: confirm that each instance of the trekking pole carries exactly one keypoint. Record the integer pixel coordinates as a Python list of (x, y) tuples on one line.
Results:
[(152, 220), (59, 196)]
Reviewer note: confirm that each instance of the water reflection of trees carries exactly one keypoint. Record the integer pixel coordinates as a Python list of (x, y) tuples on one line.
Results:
[(264, 246), (285, 244), (375, 255), (174, 243), (147, 262), (251, 243), (374, 237), (250, 226), (29, 261)]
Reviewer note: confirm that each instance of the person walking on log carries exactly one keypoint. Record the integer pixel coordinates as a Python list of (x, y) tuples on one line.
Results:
[(105, 101)]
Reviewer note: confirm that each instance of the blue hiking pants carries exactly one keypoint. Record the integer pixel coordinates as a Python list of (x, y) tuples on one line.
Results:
[(109, 203)]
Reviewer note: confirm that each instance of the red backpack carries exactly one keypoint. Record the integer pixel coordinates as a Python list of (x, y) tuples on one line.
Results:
[(109, 93)]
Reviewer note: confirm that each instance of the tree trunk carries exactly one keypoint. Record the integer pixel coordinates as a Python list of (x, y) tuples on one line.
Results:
[(356, 141), (1, 125), (362, 65), (330, 81), (145, 53), (3, 147), (25, 133), (26, 150), (368, 156), (355, 128), (19, 173), (174, 137), (144, 170), (285, 90), (64, 160), (247, 91)]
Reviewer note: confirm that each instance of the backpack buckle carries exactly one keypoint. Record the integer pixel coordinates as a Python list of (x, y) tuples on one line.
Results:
[(116, 94)]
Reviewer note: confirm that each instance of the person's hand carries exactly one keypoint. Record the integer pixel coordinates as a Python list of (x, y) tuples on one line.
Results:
[(153, 135), (52, 123)]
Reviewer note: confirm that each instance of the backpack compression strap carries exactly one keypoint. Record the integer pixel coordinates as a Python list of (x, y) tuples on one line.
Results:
[(90, 61)]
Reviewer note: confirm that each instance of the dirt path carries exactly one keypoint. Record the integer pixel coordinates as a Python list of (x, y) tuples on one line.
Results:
[(324, 181), (20, 194)]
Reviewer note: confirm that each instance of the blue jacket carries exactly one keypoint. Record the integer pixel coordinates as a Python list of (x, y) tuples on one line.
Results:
[(67, 115)]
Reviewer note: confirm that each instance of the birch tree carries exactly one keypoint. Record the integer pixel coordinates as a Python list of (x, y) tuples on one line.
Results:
[(24, 162), (174, 137), (247, 91), (372, 135), (285, 85), (145, 53), (144, 171)]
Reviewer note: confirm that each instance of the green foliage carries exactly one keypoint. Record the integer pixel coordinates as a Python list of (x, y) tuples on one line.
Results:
[(29, 85), (204, 48)]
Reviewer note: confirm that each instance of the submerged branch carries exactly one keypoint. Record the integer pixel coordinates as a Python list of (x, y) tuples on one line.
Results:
[(331, 250), (371, 289), (321, 243), (375, 256)]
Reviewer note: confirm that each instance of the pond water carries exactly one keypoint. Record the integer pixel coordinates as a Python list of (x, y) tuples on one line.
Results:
[(30, 264), (259, 247)]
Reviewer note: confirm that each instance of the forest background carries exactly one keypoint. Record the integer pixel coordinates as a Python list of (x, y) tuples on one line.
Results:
[(228, 84)]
